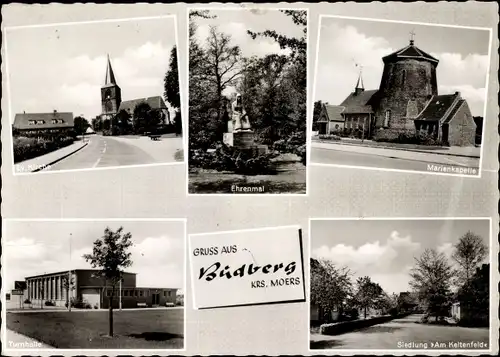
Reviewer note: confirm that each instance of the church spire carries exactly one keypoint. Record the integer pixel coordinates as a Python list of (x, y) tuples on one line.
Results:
[(110, 76), (360, 87)]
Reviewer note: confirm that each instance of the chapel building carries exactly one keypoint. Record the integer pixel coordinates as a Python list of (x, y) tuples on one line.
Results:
[(407, 101)]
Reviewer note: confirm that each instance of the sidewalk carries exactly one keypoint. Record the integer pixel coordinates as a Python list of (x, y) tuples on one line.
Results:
[(413, 155), (16, 340), (471, 152), (40, 162)]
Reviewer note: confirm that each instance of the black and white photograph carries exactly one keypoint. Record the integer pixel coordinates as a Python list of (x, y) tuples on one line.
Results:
[(93, 284), (400, 284), (92, 95), (247, 101), (400, 96)]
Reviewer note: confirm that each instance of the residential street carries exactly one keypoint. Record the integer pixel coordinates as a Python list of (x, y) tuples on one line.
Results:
[(384, 158), (107, 151), (396, 333)]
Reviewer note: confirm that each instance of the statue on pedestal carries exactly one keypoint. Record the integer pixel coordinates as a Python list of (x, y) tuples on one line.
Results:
[(239, 116)]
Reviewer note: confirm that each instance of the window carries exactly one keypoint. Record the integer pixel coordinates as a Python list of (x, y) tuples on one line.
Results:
[(404, 77), (40, 121), (108, 293), (125, 292), (169, 293), (54, 121), (336, 127), (387, 118), (32, 122), (164, 293), (140, 292)]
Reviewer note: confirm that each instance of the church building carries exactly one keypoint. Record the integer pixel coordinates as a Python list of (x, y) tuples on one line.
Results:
[(407, 101), (112, 104)]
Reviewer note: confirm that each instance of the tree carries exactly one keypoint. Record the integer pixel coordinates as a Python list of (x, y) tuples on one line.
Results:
[(122, 122), (171, 82), (110, 256), (431, 278), (330, 286), (469, 252), (474, 296), (97, 124), (318, 105), (81, 125), (145, 118), (368, 294), (68, 283)]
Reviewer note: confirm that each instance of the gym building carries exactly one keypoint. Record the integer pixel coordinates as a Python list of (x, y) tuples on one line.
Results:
[(93, 290)]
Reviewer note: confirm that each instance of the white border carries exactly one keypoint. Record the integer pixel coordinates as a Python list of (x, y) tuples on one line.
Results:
[(49, 351), (6, 29), (493, 291), (247, 7), (191, 277), (490, 30)]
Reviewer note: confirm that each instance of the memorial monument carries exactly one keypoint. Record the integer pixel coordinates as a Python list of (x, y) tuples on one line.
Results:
[(239, 130)]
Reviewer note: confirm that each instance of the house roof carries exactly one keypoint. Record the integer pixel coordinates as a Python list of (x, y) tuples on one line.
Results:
[(154, 102), (358, 103), (440, 106), (21, 121), (333, 112), (411, 51)]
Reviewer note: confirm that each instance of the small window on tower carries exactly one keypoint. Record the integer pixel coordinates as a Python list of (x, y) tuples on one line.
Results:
[(387, 118), (404, 77)]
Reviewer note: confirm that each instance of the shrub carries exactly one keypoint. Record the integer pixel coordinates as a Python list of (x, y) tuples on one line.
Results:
[(332, 137), (50, 303), (96, 307), (406, 137), (225, 158), (27, 301), (26, 148)]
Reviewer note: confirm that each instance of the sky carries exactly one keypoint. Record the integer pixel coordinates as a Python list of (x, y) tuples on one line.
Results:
[(237, 22), (32, 248), (462, 54), (62, 67), (385, 249)]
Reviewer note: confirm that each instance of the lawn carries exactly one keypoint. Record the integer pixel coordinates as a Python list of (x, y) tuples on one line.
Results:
[(146, 329)]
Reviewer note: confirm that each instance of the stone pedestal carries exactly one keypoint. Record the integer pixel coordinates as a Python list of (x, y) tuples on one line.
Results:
[(243, 139)]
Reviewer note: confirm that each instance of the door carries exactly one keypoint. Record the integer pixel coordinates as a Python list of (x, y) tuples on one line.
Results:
[(322, 128), (445, 129), (92, 296), (156, 299)]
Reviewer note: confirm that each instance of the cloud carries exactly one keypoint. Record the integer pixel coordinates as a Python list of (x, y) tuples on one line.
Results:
[(389, 256), (342, 47)]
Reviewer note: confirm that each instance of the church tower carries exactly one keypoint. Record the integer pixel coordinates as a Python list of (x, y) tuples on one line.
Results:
[(408, 82), (111, 95)]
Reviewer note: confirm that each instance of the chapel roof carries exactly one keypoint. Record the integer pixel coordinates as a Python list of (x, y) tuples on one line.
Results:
[(441, 108), (333, 112), (358, 102), (410, 52)]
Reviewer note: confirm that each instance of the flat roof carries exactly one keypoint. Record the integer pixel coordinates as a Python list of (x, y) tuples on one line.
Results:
[(66, 271)]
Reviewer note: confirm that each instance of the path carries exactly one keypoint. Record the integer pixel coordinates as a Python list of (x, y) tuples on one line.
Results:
[(404, 333)]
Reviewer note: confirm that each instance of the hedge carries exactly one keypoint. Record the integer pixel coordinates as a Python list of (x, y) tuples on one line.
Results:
[(348, 326), (26, 148)]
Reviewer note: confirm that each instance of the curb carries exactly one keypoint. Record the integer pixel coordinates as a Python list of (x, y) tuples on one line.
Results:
[(402, 149), (61, 158)]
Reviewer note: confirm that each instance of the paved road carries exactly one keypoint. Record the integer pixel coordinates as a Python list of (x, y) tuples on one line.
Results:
[(105, 152), (341, 157), (403, 333)]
